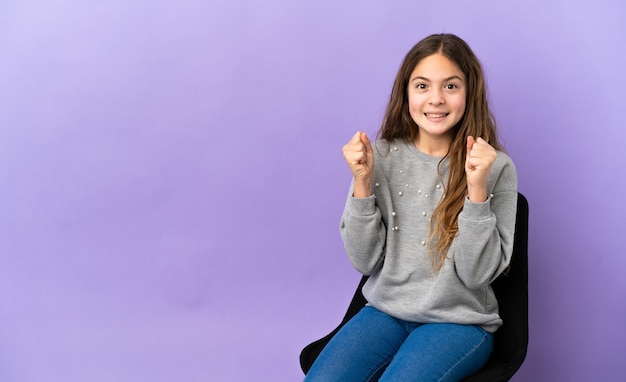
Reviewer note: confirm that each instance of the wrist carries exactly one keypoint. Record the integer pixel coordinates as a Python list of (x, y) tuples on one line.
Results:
[(477, 194), (362, 189)]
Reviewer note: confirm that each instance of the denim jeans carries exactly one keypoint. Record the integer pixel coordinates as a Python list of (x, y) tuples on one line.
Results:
[(374, 346)]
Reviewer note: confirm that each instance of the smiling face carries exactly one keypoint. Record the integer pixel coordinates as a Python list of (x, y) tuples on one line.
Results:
[(436, 93)]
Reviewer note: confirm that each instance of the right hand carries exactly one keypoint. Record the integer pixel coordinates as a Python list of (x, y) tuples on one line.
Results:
[(360, 158)]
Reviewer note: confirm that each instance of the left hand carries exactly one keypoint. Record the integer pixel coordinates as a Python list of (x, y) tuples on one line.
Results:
[(478, 162)]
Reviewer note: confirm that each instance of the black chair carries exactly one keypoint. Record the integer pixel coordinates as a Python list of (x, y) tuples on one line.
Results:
[(511, 289)]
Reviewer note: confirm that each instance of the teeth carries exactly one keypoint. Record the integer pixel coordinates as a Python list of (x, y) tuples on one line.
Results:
[(436, 115)]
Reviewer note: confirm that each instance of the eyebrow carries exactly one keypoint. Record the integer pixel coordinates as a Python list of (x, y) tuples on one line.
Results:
[(444, 80)]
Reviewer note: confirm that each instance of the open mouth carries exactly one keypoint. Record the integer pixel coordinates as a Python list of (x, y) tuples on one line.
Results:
[(437, 115)]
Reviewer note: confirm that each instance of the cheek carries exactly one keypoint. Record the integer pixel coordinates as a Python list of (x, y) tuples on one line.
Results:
[(460, 107), (414, 110), (414, 103)]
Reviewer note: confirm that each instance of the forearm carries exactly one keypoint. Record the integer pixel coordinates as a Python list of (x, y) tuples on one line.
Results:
[(363, 233), (485, 240)]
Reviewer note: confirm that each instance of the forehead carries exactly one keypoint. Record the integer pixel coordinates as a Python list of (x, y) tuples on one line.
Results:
[(436, 66)]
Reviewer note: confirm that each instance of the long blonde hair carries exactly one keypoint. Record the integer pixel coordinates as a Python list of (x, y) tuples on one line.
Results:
[(477, 121)]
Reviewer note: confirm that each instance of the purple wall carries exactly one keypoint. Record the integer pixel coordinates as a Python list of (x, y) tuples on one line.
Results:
[(171, 177)]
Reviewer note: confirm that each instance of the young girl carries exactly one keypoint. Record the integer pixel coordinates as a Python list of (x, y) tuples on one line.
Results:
[(430, 218)]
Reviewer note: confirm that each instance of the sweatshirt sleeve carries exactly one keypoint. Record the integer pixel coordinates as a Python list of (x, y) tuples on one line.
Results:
[(486, 230), (363, 233)]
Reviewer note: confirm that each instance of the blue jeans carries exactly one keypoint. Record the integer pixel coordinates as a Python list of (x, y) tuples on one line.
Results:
[(374, 346)]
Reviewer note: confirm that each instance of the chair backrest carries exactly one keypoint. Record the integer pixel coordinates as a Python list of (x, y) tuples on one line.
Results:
[(511, 289)]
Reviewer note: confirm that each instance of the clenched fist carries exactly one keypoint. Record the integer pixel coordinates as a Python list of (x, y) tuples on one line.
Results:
[(478, 162), (360, 158)]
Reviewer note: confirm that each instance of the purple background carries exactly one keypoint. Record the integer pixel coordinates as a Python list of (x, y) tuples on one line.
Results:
[(171, 177)]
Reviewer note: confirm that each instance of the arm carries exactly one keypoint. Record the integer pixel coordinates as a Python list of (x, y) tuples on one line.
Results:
[(486, 229), (362, 229), (363, 233)]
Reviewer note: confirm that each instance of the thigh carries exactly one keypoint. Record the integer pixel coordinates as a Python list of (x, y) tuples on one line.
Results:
[(440, 352), (361, 350)]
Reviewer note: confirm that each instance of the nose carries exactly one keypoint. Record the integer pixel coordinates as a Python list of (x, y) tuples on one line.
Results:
[(436, 97)]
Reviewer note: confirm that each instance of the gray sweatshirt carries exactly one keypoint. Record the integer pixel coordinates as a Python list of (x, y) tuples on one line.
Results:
[(385, 236)]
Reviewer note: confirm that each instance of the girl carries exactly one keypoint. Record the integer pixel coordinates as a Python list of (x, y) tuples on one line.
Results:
[(430, 218)]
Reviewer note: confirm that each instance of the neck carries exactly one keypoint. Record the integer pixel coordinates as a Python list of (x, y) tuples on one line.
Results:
[(436, 147)]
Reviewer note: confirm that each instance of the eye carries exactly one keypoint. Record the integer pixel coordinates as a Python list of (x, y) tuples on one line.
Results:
[(450, 86), (420, 86)]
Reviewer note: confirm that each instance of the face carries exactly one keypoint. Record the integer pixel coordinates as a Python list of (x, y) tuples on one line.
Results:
[(436, 91)]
